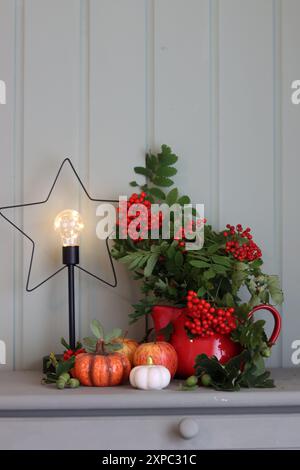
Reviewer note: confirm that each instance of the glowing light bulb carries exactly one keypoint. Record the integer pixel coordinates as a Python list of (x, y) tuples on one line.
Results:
[(69, 224)]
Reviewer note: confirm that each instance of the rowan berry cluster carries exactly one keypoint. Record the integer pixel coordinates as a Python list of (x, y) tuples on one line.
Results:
[(204, 320), (137, 223), (70, 352), (240, 244)]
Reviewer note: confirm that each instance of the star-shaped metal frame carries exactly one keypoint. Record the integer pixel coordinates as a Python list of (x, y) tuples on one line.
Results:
[(30, 289)]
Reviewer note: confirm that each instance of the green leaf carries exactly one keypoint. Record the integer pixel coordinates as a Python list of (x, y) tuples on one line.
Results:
[(161, 285), (201, 291), (165, 150), (254, 301), (166, 171), (140, 170), (151, 161), (152, 260), (228, 300), (133, 183), (113, 347), (65, 366), (64, 343), (162, 181), (184, 200), (199, 264), (115, 333), (90, 342), (256, 263), (222, 260), (172, 197), (157, 193), (137, 262), (97, 329), (265, 297), (167, 331), (274, 288), (202, 257), (166, 157), (213, 249), (128, 258), (241, 266), (178, 259), (155, 248), (238, 277), (211, 366), (209, 274), (171, 252), (219, 269)]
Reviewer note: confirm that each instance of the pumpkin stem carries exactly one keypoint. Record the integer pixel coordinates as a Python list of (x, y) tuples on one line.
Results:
[(100, 346), (149, 361)]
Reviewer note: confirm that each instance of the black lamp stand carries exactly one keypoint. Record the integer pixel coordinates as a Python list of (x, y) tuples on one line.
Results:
[(70, 257)]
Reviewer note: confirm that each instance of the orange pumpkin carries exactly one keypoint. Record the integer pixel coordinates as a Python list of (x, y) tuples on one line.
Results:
[(101, 369), (129, 347)]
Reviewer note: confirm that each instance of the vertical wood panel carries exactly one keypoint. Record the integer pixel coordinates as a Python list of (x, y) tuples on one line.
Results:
[(277, 143), (117, 139), (84, 129), (214, 112), (291, 190), (246, 122), (18, 178), (7, 30), (51, 126), (182, 91)]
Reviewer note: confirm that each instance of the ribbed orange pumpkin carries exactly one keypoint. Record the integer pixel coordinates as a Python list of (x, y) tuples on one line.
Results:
[(101, 369)]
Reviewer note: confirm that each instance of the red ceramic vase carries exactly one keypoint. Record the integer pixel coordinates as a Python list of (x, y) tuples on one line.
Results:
[(187, 349)]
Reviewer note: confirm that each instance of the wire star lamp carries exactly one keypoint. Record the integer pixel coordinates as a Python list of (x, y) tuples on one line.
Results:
[(68, 223)]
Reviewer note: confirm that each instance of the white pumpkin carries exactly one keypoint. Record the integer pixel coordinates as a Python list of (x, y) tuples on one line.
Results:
[(150, 376)]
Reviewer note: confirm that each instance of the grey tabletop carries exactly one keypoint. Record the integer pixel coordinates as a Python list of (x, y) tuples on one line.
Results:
[(24, 391)]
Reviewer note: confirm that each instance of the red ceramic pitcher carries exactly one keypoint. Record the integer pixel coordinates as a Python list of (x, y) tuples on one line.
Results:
[(187, 349)]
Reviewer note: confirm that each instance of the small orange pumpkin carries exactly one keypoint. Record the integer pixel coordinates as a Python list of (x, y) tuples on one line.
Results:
[(101, 369)]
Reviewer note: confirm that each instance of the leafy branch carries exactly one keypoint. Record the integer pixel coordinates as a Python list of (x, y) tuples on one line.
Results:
[(158, 171)]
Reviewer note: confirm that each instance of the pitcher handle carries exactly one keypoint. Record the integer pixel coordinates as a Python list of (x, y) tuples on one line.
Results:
[(277, 321)]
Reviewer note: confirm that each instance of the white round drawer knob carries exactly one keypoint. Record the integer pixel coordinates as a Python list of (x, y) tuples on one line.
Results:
[(188, 428)]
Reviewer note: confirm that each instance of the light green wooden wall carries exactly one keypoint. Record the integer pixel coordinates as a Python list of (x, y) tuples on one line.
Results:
[(102, 80)]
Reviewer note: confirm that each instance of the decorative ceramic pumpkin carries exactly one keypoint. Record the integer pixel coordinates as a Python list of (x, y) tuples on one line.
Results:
[(162, 354), (128, 348), (101, 369), (150, 376)]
